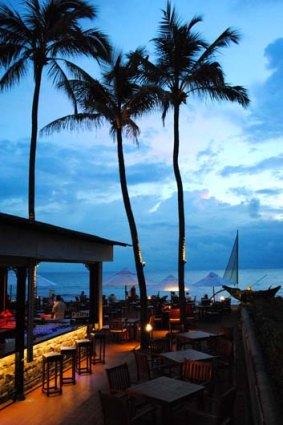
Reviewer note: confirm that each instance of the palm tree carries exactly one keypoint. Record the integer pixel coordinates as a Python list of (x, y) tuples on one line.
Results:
[(186, 66), (38, 36), (118, 100)]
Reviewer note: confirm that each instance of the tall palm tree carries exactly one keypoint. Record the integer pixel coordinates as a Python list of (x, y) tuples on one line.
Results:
[(186, 66), (38, 35), (118, 100)]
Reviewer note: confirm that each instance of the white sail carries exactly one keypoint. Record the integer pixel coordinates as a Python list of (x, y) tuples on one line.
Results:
[(232, 269)]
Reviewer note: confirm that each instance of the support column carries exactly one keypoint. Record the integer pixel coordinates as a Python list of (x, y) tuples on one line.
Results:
[(95, 294), (3, 288), (31, 296), (20, 333)]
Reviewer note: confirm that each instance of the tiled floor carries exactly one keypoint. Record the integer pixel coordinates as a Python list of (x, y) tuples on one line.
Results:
[(79, 404)]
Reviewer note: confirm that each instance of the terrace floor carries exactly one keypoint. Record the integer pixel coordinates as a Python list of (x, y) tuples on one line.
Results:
[(79, 404)]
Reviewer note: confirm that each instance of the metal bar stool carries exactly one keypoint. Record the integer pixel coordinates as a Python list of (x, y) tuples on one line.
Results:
[(83, 353), (69, 353), (52, 373), (99, 348)]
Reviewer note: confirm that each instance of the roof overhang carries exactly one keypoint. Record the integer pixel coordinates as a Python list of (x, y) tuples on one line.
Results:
[(23, 241)]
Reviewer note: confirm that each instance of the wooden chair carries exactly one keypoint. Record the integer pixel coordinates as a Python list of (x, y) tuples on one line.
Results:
[(198, 372), (174, 319), (190, 315), (158, 346), (118, 330), (143, 366), (117, 412), (118, 379), (218, 411)]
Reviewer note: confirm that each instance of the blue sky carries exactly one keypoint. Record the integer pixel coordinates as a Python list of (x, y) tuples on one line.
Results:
[(231, 159)]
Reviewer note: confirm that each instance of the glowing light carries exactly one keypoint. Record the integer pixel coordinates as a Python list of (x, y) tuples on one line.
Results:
[(148, 327)]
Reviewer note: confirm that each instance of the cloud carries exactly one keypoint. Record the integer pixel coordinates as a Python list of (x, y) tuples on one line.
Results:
[(266, 110), (268, 164)]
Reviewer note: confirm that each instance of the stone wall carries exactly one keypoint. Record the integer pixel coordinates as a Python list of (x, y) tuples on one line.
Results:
[(33, 370)]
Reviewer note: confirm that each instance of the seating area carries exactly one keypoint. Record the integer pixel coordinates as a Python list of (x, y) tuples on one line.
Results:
[(127, 369)]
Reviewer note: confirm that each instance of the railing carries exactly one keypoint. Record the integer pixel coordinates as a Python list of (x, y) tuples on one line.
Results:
[(265, 410)]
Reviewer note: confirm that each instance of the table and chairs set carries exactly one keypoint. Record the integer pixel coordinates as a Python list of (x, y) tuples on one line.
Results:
[(172, 382)]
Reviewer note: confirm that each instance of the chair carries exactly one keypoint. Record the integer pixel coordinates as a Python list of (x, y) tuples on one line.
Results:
[(117, 412), (156, 347), (52, 373), (155, 321), (219, 411), (118, 378), (198, 372), (144, 371), (119, 330), (174, 319), (190, 315)]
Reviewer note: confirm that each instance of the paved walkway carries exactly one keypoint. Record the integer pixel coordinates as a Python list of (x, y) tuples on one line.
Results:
[(79, 404)]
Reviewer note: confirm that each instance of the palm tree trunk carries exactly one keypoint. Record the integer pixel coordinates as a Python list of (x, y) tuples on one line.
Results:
[(135, 240), (181, 215), (33, 142)]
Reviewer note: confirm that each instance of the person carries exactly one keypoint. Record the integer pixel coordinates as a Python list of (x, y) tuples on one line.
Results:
[(133, 292), (59, 308), (188, 297), (83, 297), (112, 298), (205, 300)]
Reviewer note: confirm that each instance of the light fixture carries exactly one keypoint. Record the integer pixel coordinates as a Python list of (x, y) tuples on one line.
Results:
[(148, 327)]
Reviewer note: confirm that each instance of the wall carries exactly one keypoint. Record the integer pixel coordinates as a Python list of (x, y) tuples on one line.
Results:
[(264, 409)]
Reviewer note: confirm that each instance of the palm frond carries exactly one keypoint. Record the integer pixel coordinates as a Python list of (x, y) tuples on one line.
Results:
[(13, 74), (224, 40), (60, 77), (72, 122)]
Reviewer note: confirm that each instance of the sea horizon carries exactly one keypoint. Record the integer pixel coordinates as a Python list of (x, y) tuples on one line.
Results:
[(69, 284)]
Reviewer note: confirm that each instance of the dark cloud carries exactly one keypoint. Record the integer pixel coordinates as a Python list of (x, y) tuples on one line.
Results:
[(254, 208), (269, 191), (268, 164), (268, 105)]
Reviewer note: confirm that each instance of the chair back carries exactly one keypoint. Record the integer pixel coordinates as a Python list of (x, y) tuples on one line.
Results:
[(199, 372), (174, 314), (117, 325), (118, 378), (142, 365), (114, 409), (161, 345), (224, 348)]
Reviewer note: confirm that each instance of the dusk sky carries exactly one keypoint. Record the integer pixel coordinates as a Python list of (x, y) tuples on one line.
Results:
[(231, 158)]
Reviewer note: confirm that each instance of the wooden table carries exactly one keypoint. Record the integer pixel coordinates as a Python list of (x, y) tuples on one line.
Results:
[(179, 356), (167, 392), (195, 337)]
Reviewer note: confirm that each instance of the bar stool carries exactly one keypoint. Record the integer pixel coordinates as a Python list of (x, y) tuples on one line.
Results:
[(69, 353), (99, 348), (52, 370), (83, 351)]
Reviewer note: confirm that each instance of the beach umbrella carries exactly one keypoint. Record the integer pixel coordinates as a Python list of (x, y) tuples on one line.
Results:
[(170, 283), (41, 282), (211, 280), (121, 279)]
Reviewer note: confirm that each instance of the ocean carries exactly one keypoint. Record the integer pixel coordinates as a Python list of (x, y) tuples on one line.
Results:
[(70, 284)]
